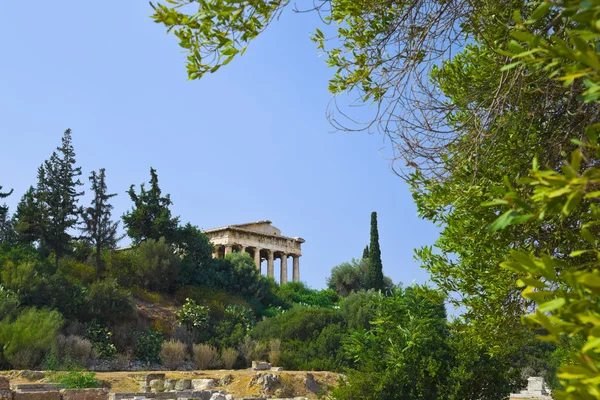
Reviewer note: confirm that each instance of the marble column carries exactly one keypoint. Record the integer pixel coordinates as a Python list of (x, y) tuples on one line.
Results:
[(296, 268), (228, 249), (270, 265), (241, 250), (257, 258), (284, 270)]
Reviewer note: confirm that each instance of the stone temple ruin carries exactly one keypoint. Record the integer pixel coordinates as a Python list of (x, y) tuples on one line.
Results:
[(262, 241)]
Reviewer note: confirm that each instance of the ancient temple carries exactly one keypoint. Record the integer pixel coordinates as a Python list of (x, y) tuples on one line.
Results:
[(263, 242)]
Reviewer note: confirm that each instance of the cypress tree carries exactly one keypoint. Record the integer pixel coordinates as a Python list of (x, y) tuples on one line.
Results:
[(375, 276), (57, 197), (366, 252), (98, 228), (150, 217)]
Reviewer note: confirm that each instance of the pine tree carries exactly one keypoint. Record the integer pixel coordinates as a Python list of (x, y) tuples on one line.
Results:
[(375, 277), (150, 217), (26, 219), (98, 228), (57, 197), (366, 252), (6, 228)]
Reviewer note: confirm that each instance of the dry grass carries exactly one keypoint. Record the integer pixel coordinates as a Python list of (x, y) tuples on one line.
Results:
[(229, 357), (74, 347), (205, 356), (172, 353), (274, 351)]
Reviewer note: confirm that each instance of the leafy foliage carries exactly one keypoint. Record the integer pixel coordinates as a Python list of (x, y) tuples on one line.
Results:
[(101, 339), (215, 33), (148, 346), (78, 380), (310, 337), (193, 316), (150, 217), (156, 265)]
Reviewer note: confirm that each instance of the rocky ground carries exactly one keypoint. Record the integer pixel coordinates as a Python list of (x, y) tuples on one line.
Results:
[(239, 383)]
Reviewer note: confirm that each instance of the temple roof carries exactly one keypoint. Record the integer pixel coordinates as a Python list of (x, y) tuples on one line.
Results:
[(259, 227)]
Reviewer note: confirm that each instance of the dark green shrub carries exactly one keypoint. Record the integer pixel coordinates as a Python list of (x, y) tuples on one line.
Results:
[(358, 309), (101, 339), (311, 337), (156, 265), (148, 345), (298, 293), (107, 303)]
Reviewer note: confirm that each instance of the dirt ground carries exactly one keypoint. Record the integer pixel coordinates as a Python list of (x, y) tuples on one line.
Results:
[(125, 381)]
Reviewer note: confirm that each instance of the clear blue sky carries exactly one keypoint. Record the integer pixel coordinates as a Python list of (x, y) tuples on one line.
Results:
[(248, 143)]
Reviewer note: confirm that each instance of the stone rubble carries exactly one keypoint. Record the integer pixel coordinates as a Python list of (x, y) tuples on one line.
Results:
[(536, 389)]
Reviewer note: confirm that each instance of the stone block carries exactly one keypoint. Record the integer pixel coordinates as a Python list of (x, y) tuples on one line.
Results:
[(202, 384), (157, 385), (312, 385), (4, 383), (37, 395), (6, 394), (84, 394), (183, 384), (260, 366), (31, 375), (276, 369), (170, 384), (37, 387)]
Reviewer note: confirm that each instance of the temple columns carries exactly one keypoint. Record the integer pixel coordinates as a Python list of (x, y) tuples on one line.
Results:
[(284, 271), (296, 267), (270, 265), (228, 249), (257, 258)]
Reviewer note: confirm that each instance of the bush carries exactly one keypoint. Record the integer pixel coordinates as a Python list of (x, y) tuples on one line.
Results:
[(9, 303), (205, 356), (107, 302), (298, 293), (101, 339), (120, 266), (78, 380), (73, 348), (77, 271), (252, 350), (148, 346), (229, 357), (311, 337), (358, 309), (193, 316), (146, 295), (156, 265), (274, 351), (29, 336), (172, 353)]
